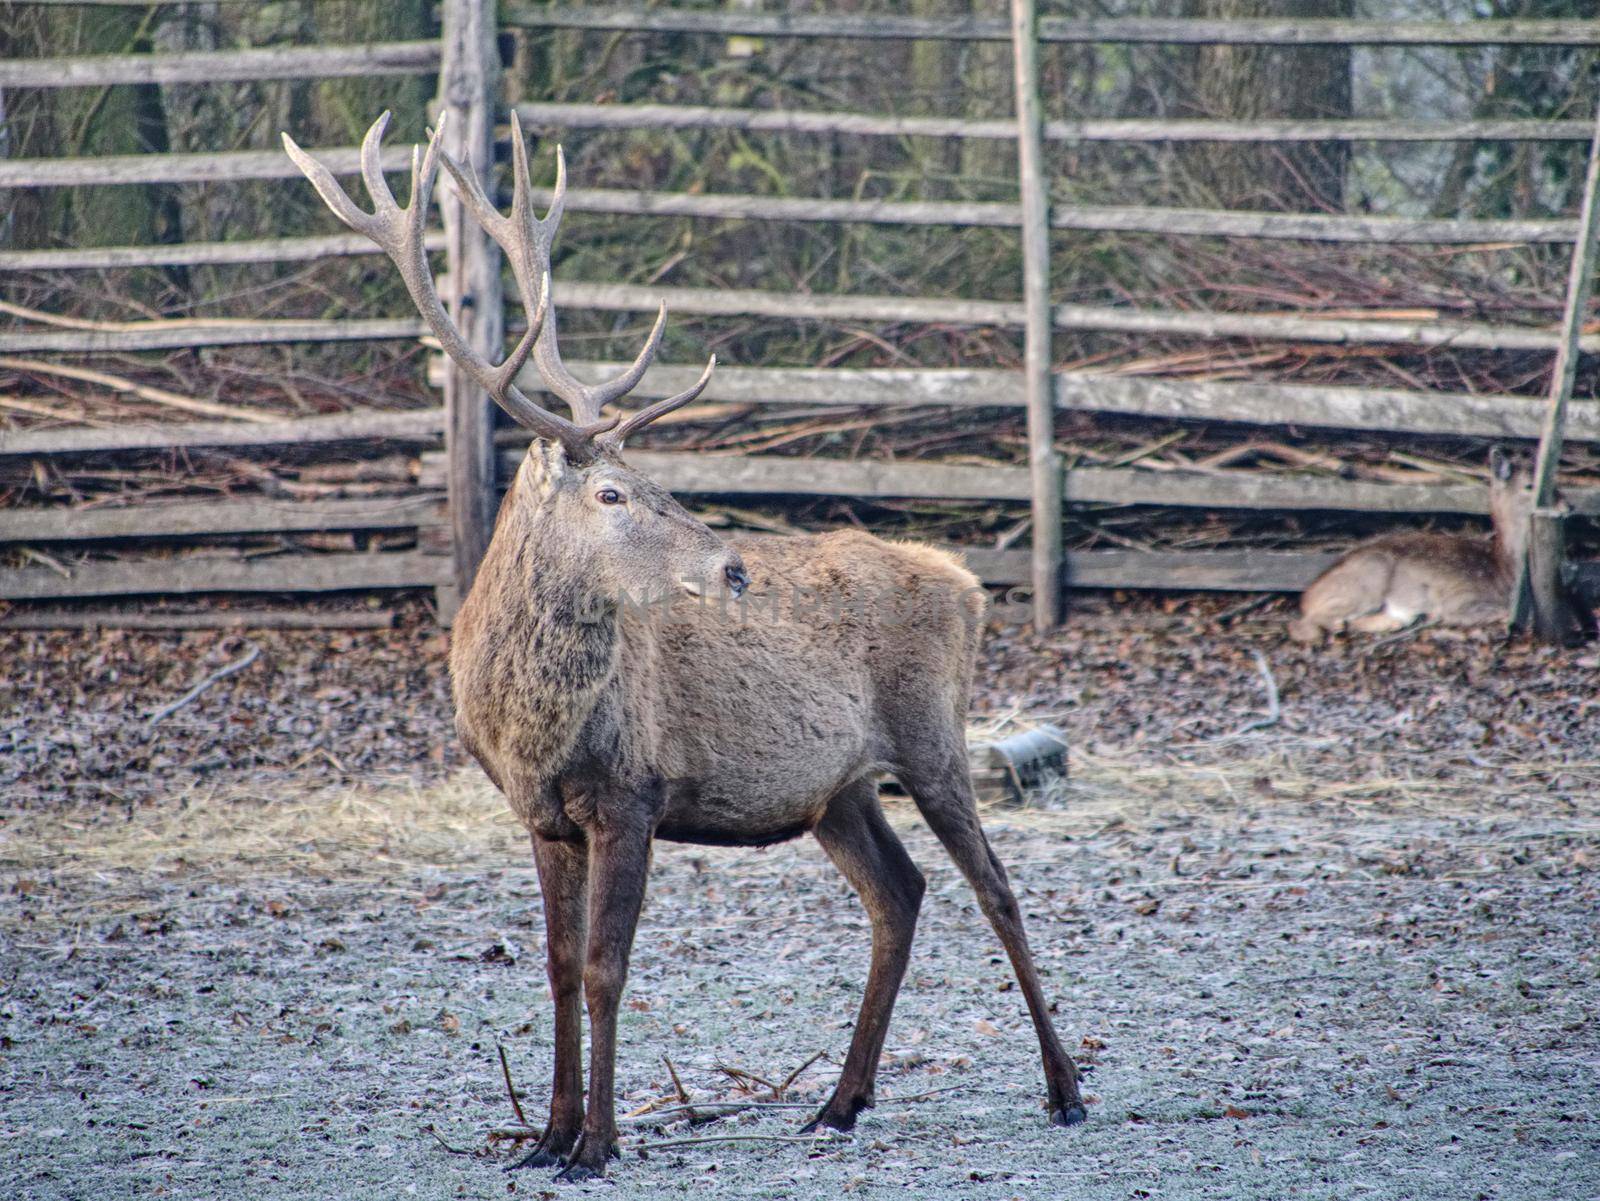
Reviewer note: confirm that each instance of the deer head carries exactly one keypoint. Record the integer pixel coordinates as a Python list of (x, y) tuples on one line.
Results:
[(623, 532), (1510, 507)]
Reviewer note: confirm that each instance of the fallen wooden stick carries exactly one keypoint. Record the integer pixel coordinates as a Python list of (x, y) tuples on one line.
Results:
[(221, 673), (505, 1070)]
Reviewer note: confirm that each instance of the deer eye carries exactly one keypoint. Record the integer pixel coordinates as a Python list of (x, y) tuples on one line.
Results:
[(608, 496)]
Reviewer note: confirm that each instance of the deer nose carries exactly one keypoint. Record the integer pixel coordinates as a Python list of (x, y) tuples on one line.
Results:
[(738, 580)]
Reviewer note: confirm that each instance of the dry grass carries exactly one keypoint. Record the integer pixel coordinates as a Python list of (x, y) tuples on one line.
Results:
[(357, 832), (371, 831)]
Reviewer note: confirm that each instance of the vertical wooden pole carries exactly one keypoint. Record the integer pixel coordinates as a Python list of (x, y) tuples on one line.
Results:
[(1043, 463), (1552, 618), (469, 86)]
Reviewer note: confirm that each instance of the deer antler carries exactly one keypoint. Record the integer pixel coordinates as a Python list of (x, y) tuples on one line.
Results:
[(526, 241)]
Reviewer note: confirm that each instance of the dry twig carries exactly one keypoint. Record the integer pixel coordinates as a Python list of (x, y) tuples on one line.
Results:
[(511, 1092), (221, 673), (117, 383)]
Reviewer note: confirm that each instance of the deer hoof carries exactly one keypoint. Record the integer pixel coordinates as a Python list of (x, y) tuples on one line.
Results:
[(833, 1119), (537, 1158), (549, 1152), (577, 1173), (588, 1160), (1069, 1115)]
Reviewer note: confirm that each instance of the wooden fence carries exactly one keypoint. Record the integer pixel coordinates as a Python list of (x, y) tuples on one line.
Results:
[(453, 506)]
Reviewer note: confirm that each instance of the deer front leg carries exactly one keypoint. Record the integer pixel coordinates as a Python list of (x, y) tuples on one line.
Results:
[(619, 860), (563, 880), (861, 844)]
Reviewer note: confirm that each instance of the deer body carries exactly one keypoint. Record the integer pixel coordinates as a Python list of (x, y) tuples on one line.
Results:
[(608, 723), (1392, 581), (753, 714)]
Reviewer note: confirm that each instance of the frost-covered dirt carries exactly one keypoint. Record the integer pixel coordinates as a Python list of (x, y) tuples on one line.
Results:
[(1286, 983)]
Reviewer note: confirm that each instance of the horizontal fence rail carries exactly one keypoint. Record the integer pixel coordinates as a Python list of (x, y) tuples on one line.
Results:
[(1465, 414), (193, 254), (713, 302), (176, 519), (1094, 218), (553, 115), (749, 475), (223, 66), (183, 168), (1254, 403), (1105, 219), (897, 309), (196, 573), (176, 335), (1180, 31), (425, 425), (273, 164)]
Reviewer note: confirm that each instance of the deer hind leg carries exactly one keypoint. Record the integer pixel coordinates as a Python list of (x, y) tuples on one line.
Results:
[(563, 880), (619, 861), (862, 846), (942, 789)]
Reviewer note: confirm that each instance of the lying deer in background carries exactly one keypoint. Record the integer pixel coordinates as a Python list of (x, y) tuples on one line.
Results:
[(608, 724), (1395, 580)]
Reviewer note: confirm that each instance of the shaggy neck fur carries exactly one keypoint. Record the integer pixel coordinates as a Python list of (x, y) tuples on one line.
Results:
[(543, 642)]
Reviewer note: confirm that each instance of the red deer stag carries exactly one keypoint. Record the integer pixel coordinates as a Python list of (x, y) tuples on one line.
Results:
[(608, 724)]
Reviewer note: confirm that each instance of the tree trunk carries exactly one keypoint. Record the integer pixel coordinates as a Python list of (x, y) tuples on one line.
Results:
[(934, 76), (989, 163), (1250, 82)]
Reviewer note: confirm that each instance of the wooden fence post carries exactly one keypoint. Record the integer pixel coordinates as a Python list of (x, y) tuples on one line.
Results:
[(469, 87), (1043, 462), (1539, 577)]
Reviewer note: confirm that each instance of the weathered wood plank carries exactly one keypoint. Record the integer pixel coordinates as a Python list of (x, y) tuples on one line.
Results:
[(714, 302), (280, 573), (171, 335), (1319, 227), (261, 250), (168, 519), (424, 425), (953, 311), (776, 475), (468, 90), (214, 167), (1508, 417), (222, 66), (1538, 578), (1257, 404), (1127, 30), (560, 115), (1178, 571), (1248, 571), (1044, 465), (1169, 221)]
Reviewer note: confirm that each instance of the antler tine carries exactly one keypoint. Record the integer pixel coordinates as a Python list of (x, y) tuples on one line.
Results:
[(536, 239), (400, 232), (511, 233), (662, 407)]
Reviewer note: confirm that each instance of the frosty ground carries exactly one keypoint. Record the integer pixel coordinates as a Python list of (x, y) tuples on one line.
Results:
[(1350, 953)]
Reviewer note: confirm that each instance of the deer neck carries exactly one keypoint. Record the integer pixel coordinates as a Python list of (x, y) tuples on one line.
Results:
[(1510, 511), (541, 647)]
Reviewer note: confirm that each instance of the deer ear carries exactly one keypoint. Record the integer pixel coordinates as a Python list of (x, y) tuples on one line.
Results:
[(1499, 465), (545, 465)]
